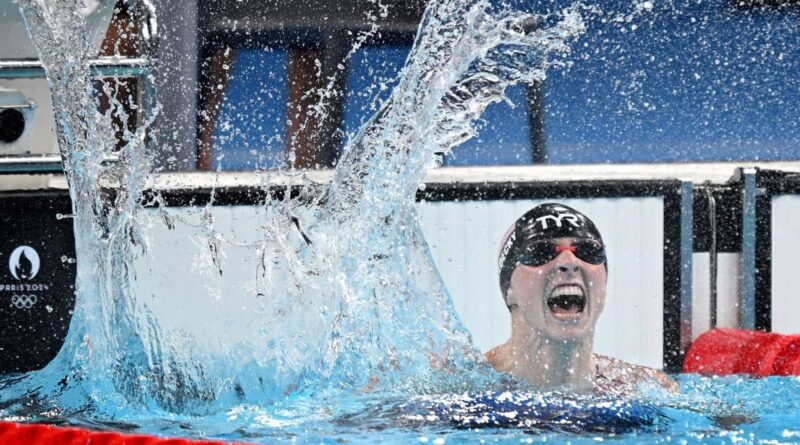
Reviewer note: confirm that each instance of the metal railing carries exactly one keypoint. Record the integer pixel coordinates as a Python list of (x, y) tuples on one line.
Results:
[(30, 164), (100, 67)]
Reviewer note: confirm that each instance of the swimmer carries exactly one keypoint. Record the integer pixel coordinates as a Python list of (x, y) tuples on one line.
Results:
[(553, 273)]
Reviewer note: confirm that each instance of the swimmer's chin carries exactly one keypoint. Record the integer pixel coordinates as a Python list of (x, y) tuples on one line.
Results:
[(569, 331)]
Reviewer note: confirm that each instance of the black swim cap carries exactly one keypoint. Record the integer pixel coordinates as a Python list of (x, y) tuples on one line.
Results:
[(543, 222)]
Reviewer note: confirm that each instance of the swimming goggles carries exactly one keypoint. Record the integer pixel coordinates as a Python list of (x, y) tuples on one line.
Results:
[(539, 253)]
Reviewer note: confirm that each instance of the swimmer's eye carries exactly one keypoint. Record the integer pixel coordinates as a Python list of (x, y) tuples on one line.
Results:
[(540, 253)]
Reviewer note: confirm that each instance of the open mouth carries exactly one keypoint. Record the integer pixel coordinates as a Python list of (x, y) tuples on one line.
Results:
[(567, 302)]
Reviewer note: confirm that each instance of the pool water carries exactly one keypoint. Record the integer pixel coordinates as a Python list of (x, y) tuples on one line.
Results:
[(735, 410), (725, 410)]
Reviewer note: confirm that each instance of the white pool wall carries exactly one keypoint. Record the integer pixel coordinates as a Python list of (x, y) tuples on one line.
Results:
[(786, 264), (463, 237)]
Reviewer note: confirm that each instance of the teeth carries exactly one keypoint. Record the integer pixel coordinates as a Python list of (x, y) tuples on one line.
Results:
[(567, 302), (567, 290)]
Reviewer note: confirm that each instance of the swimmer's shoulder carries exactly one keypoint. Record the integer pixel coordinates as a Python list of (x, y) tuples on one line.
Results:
[(500, 357), (615, 372)]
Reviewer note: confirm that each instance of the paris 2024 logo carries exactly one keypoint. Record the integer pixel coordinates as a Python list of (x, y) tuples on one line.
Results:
[(24, 265)]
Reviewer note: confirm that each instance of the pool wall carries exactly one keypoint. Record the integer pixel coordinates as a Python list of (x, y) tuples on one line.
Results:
[(659, 296), (785, 311)]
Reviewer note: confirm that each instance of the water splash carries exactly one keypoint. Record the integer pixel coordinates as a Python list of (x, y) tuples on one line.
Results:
[(110, 337), (347, 296)]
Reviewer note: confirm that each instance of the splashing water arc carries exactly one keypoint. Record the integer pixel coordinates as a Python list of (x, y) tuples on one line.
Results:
[(353, 308)]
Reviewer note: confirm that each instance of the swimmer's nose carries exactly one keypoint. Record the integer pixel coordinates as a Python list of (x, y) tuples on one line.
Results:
[(567, 262)]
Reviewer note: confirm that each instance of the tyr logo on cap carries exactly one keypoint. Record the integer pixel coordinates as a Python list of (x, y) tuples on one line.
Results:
[(569, 217)]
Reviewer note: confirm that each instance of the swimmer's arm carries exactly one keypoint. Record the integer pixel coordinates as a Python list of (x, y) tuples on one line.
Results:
[(440, 364), (662, 379), (501, 358), (641, 374)]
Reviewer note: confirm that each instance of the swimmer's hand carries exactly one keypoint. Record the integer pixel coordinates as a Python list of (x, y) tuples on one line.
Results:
[(732, 421)]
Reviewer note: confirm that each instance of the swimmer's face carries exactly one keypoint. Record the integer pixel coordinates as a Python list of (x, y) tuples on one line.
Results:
[(562, 298)]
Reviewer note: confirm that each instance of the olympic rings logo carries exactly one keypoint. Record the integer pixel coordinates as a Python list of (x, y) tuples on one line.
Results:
[(23, 301)]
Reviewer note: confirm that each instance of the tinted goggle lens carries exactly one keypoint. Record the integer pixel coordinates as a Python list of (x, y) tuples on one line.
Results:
[(542, 252)]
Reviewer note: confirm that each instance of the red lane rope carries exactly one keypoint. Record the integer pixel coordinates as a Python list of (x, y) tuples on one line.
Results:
[(12, 433)]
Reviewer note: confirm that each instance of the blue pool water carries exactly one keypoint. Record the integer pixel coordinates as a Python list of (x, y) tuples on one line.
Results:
[(709, 410), (724, 410)]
